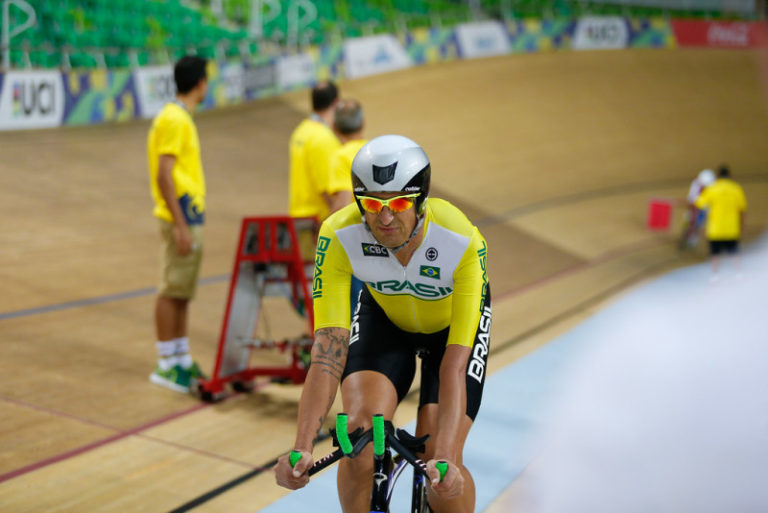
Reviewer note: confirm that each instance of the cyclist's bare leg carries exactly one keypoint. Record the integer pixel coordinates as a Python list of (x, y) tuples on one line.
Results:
[(427, 424), (364, 393)]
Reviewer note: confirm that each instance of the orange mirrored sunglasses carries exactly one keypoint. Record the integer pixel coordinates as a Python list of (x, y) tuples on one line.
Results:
[(396, 205)]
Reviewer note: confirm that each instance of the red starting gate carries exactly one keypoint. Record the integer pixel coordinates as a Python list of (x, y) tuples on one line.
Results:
[(268, 262)]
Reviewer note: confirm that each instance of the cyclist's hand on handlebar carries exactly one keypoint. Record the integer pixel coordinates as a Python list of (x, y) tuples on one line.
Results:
[(452, 484), (294, 477)]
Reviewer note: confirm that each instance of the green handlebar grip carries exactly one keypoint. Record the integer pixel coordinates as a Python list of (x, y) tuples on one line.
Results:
[(294, 458), (342, 433), (442, 466), (378, 435)]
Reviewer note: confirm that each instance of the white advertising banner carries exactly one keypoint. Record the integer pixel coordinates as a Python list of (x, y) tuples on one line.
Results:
[(482, 39), (297, 70), (601, 33), (155, 87), (376, 54), (31, 99), (233, 77)]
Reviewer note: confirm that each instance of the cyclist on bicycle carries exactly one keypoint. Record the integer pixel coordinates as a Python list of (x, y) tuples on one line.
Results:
[(426, 292)]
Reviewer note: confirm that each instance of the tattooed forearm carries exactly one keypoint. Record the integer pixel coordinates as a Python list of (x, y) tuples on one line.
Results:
[(329, 368), (329, 356), (332, 342), (330, 350)]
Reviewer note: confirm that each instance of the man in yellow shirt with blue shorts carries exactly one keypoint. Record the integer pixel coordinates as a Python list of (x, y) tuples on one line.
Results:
[(177, 183), (426, 294), (726, 205)]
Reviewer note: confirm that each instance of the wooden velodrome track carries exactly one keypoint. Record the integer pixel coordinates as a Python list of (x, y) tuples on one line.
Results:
[(555, 156)]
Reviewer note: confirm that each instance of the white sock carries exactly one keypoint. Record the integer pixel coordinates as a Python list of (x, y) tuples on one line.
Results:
[(181, 345), (166, 351), (181, 348)]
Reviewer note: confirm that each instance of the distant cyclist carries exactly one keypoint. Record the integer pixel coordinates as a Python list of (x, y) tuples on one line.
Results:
[(696, 218), (426, 292)]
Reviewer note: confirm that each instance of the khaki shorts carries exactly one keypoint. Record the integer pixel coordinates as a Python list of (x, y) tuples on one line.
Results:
[(179, 273)]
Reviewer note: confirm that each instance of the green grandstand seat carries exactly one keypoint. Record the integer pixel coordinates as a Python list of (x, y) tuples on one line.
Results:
[(17, 59), (82, 60), (208, 52), (135, 41), (117, 60), (232, 50), (143, 58)]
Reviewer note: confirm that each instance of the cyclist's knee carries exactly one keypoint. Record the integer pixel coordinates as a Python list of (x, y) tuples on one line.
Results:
[(362, 418), (359, 467)]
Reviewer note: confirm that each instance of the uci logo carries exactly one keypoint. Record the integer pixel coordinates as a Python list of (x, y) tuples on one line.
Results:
[(33, 97), (161, 87), (606, 33)]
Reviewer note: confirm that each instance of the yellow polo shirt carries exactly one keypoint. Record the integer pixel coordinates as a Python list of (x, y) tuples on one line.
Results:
[(725, 201), (174, 133), (312, 145), (341, 166)]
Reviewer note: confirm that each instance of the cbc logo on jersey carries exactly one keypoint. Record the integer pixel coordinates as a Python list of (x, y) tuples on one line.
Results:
[(431, 254), (375, 250)]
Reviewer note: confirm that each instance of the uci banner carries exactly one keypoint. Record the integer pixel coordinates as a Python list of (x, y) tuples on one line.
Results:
[(601, 33), (31, 99), (376, 54), (155, 87)]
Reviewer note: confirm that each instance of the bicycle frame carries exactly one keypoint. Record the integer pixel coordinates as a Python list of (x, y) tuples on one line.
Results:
[(382, 458)]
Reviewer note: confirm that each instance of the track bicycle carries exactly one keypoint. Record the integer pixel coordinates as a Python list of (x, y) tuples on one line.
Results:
[(386, 467)]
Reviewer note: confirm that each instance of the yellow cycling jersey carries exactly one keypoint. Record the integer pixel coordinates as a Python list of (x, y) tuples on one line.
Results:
[(444, 284)]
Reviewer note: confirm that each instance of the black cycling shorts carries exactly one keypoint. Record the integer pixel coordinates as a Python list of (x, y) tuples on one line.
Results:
[(378, 345), (719, 246)]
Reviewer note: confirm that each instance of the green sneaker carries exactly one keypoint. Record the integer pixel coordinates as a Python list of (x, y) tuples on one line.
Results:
[(175, 378), (195, 373)]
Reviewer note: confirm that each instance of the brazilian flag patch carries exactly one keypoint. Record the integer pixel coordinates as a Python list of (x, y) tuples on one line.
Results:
[(430, 272)]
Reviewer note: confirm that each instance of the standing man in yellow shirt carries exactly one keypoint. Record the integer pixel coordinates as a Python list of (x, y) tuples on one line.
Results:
[(178, 189), (727, 205), (312, 143)]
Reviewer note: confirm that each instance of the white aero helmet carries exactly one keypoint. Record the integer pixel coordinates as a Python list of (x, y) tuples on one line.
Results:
[(391, 163), (706, 177)]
